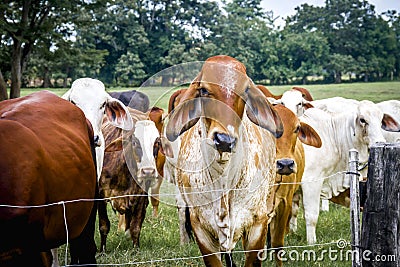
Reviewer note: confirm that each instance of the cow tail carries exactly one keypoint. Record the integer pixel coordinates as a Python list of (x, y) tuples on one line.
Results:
[(188, 224)]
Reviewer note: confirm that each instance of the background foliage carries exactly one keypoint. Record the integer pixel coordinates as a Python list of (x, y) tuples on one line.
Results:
[(50, 43)]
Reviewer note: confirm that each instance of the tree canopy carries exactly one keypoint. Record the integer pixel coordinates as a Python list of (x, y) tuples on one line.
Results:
[(125, 42)]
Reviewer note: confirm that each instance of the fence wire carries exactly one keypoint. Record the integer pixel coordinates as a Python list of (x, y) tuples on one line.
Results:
[(63, 203)]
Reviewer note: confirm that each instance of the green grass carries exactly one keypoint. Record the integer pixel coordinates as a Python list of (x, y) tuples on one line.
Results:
[(160, 236)]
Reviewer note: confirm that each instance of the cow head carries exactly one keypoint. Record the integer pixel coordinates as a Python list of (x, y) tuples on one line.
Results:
[(294, 100), (142, 146), (369, 120), (294, 131), (90, 96), (220, 94)]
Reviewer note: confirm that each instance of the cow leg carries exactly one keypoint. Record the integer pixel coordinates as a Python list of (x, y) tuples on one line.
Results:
[(104, 224), (135, 217), (47, 258), (209, 247), (121, 222), (155, 199), (254, 241), (324, 205), (295, 210), (55, 262), (278, 226), (83, 248), (311, 201), (181, 205)]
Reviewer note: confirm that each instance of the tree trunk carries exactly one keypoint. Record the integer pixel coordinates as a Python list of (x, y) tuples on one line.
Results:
[(65, 82), (366, 77), (3, 88), (338, 77), (46, 78), (16, 73)]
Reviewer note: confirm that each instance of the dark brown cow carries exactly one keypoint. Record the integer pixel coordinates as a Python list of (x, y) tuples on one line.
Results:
[(124, 173), (47, 156)]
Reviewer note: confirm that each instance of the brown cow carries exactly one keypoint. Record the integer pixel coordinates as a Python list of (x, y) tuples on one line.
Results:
[(130, 172), (47, 156), (290, 167), (304, 92), (227, 130)]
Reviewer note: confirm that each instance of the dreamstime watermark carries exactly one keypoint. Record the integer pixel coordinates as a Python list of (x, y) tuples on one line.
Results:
[(341, 252)]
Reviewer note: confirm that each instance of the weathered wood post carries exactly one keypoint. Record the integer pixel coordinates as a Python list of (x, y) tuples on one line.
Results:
[(355, 208), (381, 217)]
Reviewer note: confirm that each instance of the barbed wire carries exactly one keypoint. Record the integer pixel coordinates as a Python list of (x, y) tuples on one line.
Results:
[(63, 202)]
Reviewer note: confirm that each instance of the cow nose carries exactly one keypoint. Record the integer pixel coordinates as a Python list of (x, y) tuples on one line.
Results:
[(148, 172), (224, 142), (285, 166), (97, 140)]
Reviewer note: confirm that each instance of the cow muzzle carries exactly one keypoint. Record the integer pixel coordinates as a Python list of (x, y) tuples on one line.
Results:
[(285, 166), (224, 142)]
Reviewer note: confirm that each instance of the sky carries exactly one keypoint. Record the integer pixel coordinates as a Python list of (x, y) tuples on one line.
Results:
[(284, 8)]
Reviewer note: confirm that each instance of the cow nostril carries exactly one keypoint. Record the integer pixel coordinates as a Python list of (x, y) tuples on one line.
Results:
[(148, 172), (224, 142)]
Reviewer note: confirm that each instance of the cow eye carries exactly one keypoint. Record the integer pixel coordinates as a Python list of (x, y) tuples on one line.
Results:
[(73, 102), (297, 129), (204, 92), (156, 147), (363, 121), (103, 105)]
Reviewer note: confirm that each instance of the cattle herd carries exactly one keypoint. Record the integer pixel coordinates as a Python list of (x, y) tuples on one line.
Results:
[(239, 157)]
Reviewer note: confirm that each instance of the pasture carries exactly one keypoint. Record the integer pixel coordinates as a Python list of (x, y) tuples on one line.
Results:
[(159, 240)]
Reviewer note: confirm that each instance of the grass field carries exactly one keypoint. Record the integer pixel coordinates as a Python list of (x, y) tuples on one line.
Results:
[(159, 241)]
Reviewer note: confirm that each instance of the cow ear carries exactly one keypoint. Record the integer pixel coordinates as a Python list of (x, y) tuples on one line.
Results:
[(182, 118), (118, 114), (307, 135), (166, 147), (115, 145), (260, 111), (307, 104), (67, 95), (390, 124)]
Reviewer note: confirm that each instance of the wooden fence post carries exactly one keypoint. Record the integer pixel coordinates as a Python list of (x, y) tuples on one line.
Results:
[(355, 207), (381, 217)]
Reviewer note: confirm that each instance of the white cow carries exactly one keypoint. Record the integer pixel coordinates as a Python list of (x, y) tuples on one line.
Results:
[(359, 127), (91, 97), (391, 107), (339, 104)]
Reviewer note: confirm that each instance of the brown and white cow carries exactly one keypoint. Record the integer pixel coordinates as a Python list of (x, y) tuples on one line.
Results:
[(289, 170), (226, 162), (47, 156), (130, 168)]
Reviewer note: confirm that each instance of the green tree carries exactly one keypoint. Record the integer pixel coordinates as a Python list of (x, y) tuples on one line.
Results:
[(26, 22), (129, 69)]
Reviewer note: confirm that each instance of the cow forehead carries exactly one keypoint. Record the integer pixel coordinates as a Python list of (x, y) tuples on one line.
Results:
[(291, 96), (370, 111), (229, 79), (146, 131), (92, 92)]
